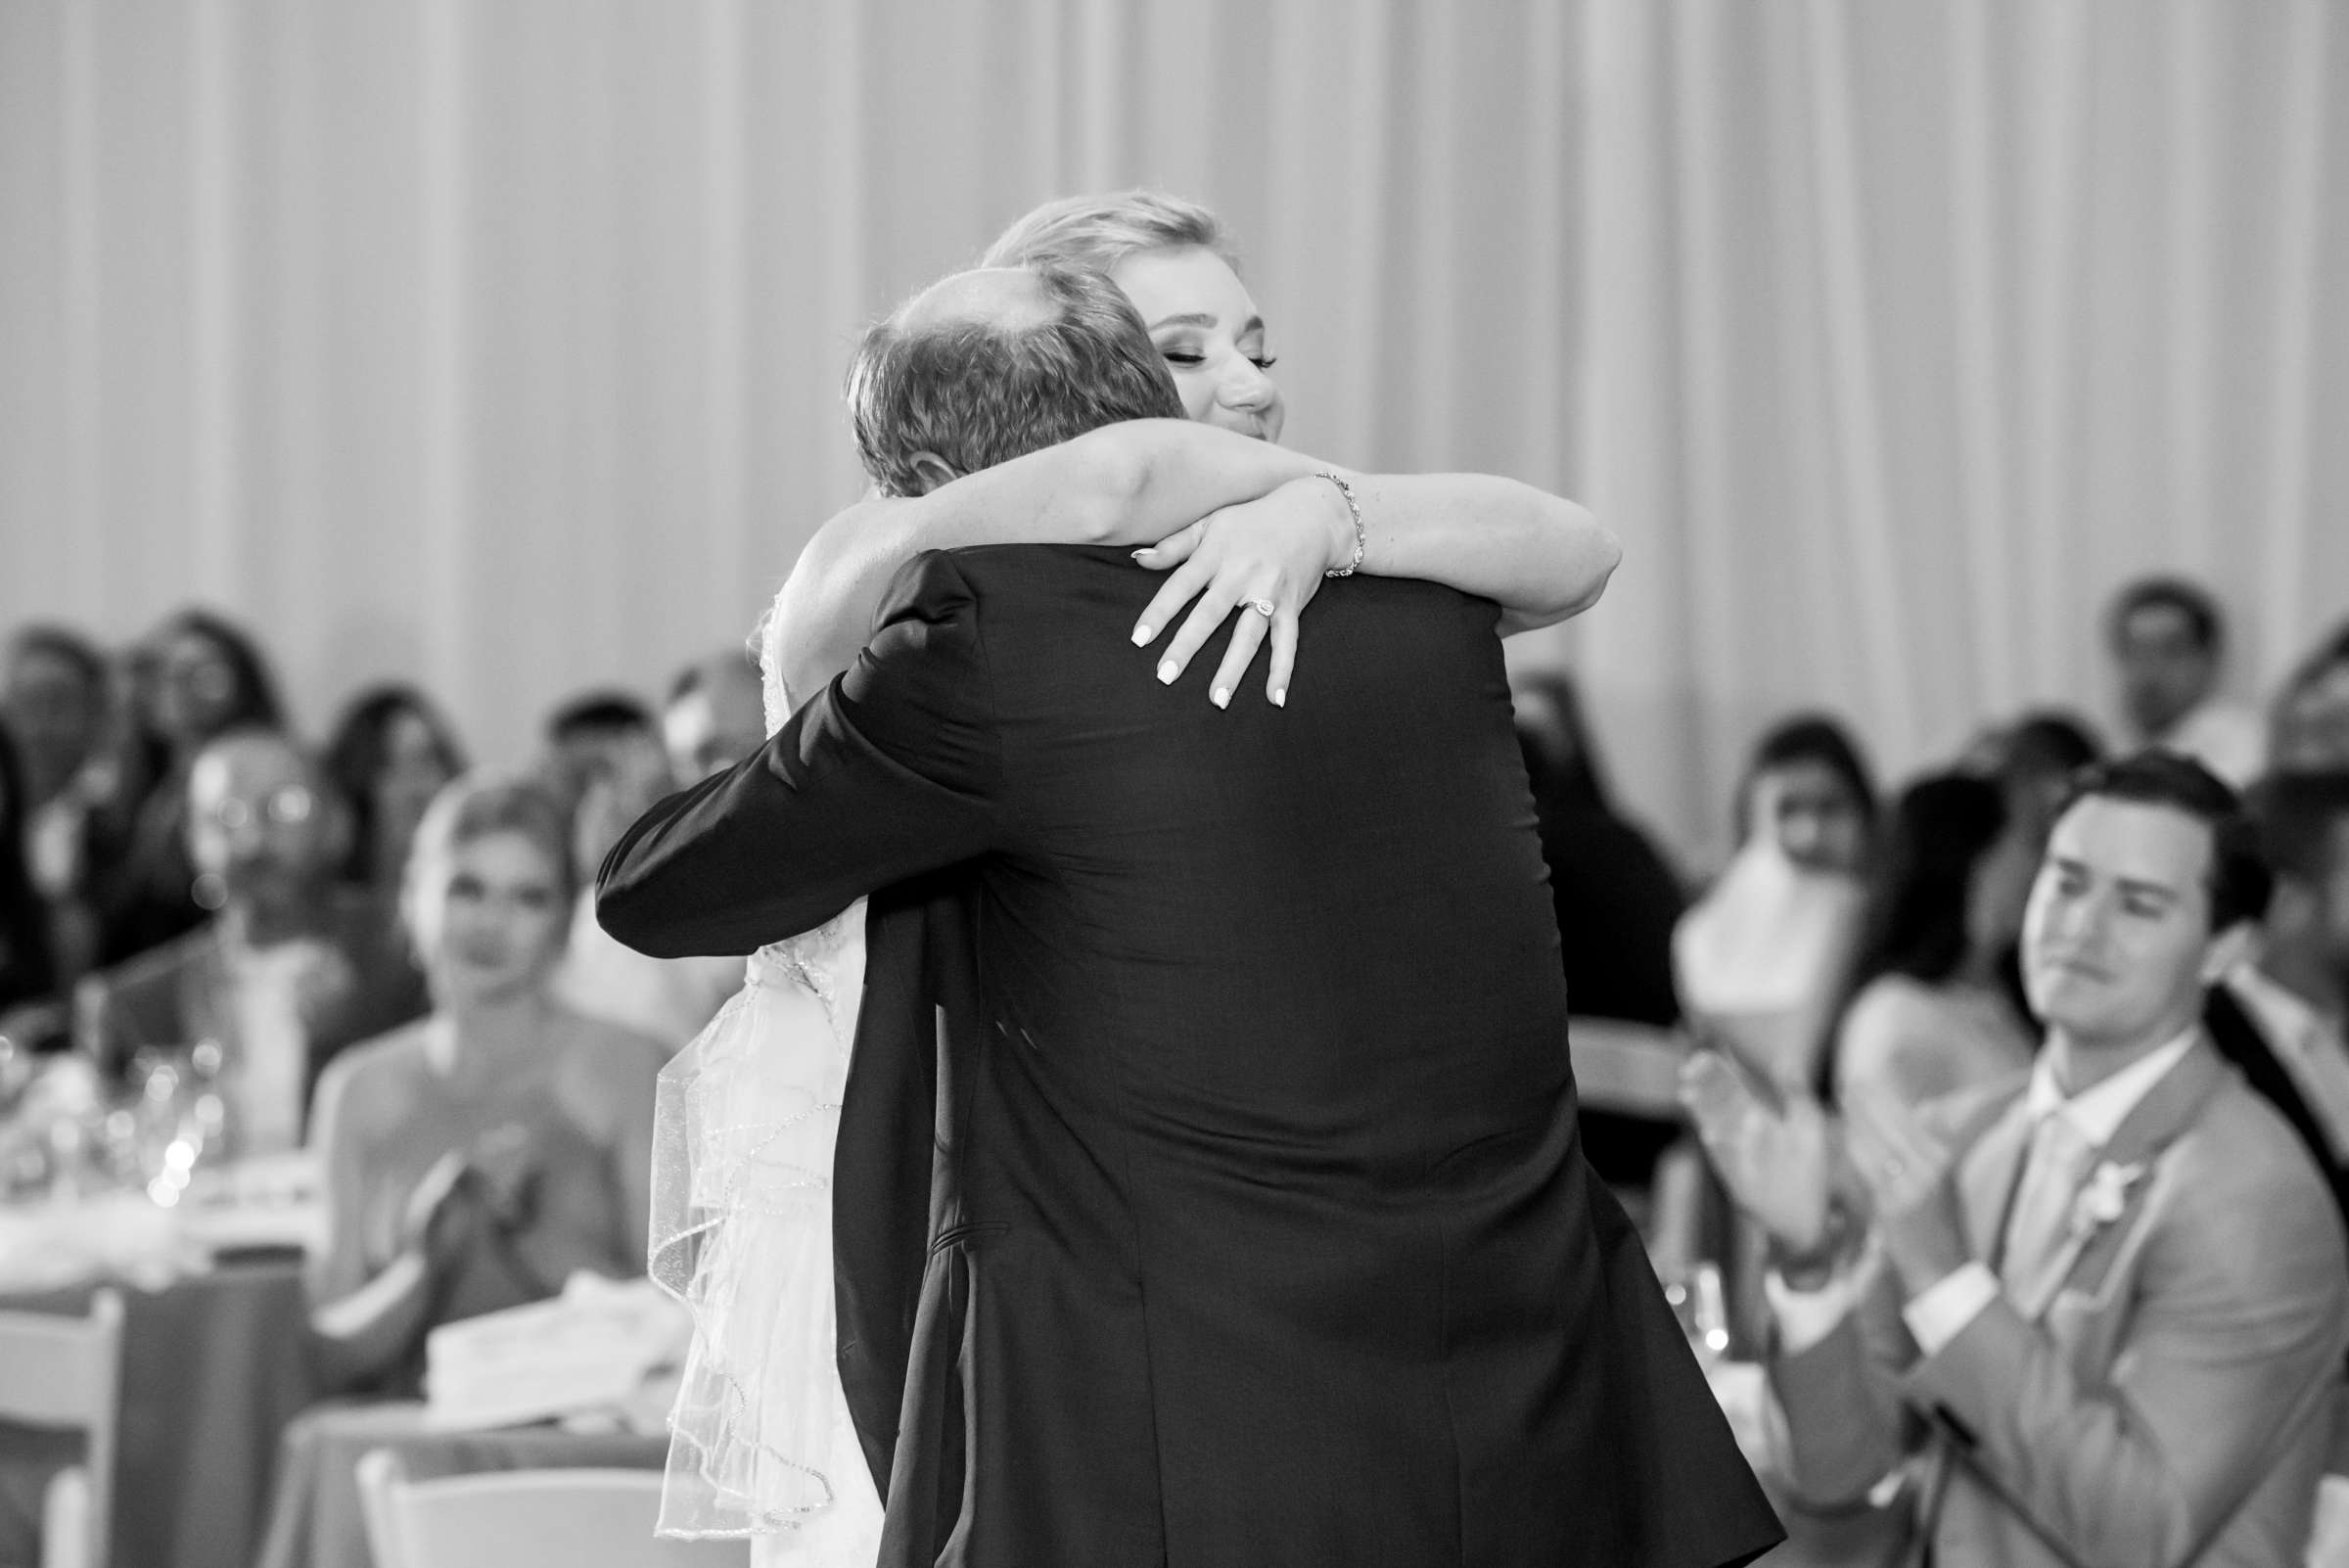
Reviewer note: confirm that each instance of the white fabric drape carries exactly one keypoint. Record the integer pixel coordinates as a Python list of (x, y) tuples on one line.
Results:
[(499, 345), (1918, 329)]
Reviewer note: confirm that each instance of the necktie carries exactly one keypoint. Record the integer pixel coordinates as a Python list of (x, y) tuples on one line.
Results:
[(2040, 1223)]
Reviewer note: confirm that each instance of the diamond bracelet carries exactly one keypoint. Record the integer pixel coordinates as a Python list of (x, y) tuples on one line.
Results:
[(1361, 538)]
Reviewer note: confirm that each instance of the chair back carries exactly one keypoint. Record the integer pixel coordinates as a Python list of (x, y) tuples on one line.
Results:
[(1629, 1069), (65, 1374), (524, 1519)]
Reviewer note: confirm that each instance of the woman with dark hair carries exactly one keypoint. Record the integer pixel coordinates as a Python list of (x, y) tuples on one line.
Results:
[(210, 679), (71, 818), (2309, 730), (1760, 958), (1925, 1014), (1616, 898), (1810, 789), (26, 974), (199, 677), (392, 751)]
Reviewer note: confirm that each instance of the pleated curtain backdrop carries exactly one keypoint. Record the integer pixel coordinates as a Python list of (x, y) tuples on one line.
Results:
[(498, 345)]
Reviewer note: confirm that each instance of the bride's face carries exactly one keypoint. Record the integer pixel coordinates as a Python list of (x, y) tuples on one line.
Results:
[(1203, 321)]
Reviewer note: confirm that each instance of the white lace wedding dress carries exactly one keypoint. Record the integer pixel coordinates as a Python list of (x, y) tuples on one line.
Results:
[(760, 1440)]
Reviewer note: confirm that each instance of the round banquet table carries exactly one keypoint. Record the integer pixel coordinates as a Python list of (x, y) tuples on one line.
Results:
[(213, 1367), (315, 1521)]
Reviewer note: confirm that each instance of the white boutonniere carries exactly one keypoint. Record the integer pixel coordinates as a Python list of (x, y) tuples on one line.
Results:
[(2104, 1197)]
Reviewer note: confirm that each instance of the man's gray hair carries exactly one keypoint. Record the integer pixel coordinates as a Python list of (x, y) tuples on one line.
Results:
[(978, 392)]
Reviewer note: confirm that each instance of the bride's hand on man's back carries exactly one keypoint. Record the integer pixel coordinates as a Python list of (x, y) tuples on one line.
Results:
[(1271, 551)]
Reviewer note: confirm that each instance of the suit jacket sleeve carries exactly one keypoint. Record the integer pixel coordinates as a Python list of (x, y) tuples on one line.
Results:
[(2233, 1324), (1845, 1426), (889, 773)]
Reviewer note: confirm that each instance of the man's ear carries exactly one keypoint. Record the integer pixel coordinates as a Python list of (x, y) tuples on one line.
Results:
[(931, 471), (2231, 946)]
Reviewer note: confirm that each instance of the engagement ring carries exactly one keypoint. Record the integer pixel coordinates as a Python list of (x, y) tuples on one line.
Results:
[(1262, 607)]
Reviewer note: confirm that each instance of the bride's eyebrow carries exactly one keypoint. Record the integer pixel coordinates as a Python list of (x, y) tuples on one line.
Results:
[(1194, 318)]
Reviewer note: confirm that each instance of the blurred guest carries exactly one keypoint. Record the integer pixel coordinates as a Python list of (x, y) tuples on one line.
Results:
[(589, 736), (2279, 1017), (1616, 901), (2167, 642), (26, 973), (1617, 897), (293, 968), (392, 751), (2106, 1309), (715, 717), (477, 1159), (202, 677), (2032, 761), (1926, 1015), (2312, 712), (54, 702), (1759, 959)]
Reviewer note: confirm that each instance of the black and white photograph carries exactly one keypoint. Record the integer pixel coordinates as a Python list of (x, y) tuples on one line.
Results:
[(1173, 784)]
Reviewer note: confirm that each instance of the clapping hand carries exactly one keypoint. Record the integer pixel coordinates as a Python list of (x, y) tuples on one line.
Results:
[(438, 1221), (1777, 1162), (1266, 555), (505, 1165), (1907, 1170)]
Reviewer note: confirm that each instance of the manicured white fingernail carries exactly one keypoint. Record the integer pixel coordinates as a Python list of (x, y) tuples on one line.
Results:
[(1221, 696), (1166, 673), (1142, 635), (1280, 696), (1138, 554)]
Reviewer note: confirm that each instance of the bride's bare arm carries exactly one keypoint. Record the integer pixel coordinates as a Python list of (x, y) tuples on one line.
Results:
[(1130, 484), (1541, 557)]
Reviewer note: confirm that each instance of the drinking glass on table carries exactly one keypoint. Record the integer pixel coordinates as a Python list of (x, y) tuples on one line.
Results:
[(1701, 1304), (178, 1115)]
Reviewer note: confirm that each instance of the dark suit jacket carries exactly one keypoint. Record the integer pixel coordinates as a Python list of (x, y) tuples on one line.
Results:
[(1260, 1231), (2240, 1042), (178, 993)]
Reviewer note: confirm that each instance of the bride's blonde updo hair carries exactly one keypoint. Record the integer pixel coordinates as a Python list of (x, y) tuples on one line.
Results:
[(1098, 232)]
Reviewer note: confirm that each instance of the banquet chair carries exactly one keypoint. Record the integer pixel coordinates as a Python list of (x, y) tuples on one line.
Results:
[(1629, 1069), (524, 1519), (65, 1374)]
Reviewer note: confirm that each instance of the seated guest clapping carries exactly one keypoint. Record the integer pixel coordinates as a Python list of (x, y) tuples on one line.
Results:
[(2100, 1311), (477, 1159), (292, 969), (1758, 959)]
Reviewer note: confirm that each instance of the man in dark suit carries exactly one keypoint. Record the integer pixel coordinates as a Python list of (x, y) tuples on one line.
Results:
[(1261, 1234)]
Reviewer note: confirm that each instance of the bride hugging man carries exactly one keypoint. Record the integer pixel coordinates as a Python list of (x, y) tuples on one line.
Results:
[(1203, 1186)]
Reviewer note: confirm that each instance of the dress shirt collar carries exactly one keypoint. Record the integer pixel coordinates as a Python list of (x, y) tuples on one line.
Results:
[(2097, 1112)]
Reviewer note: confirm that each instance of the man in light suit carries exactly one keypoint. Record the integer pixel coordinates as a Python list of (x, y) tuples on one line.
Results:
[(2096, 1315)]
